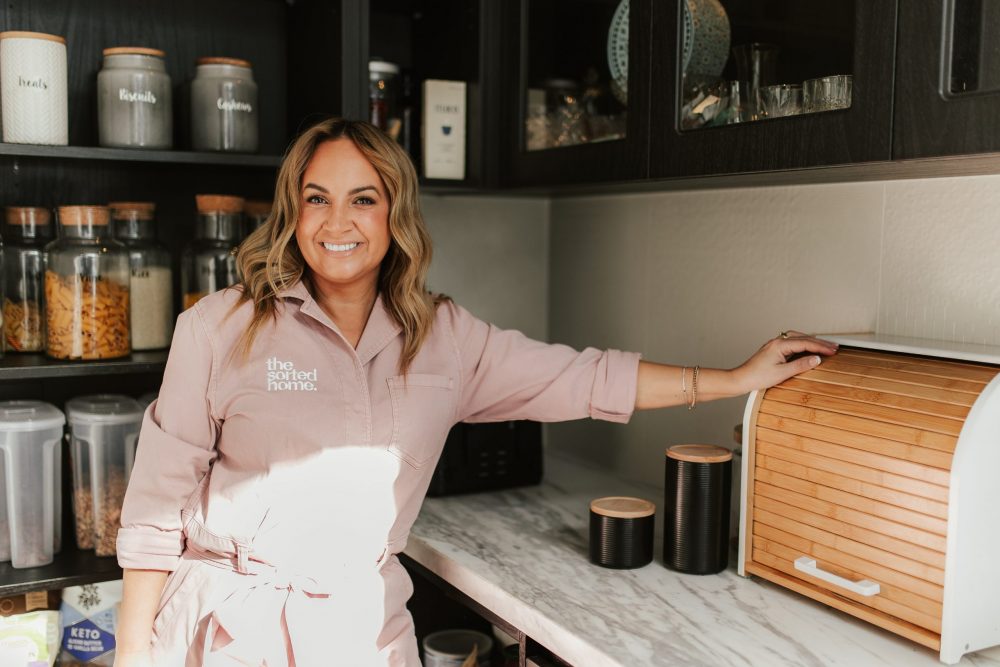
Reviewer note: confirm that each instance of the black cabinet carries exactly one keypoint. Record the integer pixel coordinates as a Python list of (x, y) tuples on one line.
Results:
[(567, 118), (719, 122), (947, 79)]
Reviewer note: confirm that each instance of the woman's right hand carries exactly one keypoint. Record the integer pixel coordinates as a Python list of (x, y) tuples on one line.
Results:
[(140, 658)]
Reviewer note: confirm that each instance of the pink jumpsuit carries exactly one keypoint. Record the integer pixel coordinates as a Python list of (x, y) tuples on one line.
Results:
[(278, 489)]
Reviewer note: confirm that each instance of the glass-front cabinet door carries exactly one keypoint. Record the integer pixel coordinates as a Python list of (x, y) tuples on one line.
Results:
[(758, 85), (947, 79), (576, 90)]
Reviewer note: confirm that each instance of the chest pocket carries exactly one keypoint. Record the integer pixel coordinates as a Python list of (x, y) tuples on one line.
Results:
[(423, 410)]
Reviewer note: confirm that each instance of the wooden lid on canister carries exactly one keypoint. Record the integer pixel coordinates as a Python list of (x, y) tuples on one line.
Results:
[(132, 210), (22, 34), (216, 60), (256, 207), (35, 216), (622, 507), (134, 51), (699, 453), (94, 216), (219, 204)]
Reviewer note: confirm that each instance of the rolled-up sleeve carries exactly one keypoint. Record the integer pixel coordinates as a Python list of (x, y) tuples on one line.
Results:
[(175, 450), (506, 375)]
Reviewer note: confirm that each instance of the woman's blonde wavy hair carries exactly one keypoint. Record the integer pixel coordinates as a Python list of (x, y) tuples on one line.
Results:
[(269, 260)]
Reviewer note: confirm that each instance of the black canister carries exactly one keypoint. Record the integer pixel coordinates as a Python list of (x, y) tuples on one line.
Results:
[(621, 532), (696, 508)]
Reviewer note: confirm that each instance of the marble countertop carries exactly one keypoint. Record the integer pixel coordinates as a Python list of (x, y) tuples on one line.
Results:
[(522, 554)]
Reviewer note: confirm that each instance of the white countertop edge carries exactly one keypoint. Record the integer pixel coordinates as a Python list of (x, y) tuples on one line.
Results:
[(540, 628)]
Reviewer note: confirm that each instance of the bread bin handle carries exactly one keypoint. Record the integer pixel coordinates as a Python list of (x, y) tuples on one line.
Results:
[(863, 587)]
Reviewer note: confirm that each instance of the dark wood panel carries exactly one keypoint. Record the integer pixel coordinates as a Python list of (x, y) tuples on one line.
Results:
[(71, 567), (38, 366), (185, 29), (135, 155), (929, 122), (859, 134)]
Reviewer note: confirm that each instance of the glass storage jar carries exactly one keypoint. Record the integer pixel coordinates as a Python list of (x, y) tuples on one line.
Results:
[(383, 97), (104, 429), (86, 288), (151, 294), (224, 106), (256, 213), (134, 108), (208, 263), (27, 230), (30, 482)]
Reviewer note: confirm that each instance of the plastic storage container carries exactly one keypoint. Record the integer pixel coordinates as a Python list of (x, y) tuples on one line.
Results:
[(104, 429), (26, 230), (33, 88), (31, 480), (208, 264), (224, 106), (134, 108), (151, 300), (451, 648), (86, 288)]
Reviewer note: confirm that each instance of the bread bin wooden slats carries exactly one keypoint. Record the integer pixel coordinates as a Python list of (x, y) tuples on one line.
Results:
[(870, 484)]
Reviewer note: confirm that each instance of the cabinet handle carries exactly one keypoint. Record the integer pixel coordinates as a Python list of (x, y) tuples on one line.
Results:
[(863, 587)]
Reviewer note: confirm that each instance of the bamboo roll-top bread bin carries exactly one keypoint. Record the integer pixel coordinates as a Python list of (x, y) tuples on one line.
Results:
[(872, 484)]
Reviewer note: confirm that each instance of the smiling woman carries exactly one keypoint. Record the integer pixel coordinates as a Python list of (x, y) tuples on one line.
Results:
[(302, 413)]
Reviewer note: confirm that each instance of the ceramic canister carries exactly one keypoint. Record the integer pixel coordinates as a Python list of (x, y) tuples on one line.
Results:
[(33, 88), (697, 491), (224, 106), (621, 532), (134, 99)]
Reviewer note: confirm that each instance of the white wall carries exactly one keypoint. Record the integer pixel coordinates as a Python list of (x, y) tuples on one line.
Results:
[(492, 256), (705, 277)]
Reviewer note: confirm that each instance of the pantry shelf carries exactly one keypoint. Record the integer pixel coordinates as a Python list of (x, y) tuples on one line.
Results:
[(38, 366), (138, 155), (72, 567)]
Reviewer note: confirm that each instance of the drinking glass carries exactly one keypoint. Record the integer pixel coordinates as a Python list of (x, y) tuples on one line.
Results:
[(827, 93), (779, 100)]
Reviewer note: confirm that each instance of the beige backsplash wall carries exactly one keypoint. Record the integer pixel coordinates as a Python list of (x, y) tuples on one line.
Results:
[(705, 277)]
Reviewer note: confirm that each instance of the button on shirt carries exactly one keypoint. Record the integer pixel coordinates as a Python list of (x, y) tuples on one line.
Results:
[(277, 487)]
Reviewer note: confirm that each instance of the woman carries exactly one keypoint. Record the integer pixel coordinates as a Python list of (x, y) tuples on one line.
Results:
[(301, 416)]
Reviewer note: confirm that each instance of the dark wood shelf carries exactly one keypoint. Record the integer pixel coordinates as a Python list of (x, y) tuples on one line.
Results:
[(140, 155), (38, 366), (71, 567)]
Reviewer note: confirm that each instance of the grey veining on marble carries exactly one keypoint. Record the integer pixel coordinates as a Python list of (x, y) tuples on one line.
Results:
[(522, 554)]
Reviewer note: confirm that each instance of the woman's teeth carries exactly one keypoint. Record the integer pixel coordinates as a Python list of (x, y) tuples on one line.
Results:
[(340, 248)]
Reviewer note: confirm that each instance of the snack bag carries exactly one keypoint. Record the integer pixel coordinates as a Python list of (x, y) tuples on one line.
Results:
[(89, 620), (29, 629)]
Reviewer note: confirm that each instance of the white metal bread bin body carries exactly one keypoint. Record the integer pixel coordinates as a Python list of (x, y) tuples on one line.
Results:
[(964, 616)]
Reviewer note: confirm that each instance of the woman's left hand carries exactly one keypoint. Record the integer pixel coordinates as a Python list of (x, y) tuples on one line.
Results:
[(771, 364)]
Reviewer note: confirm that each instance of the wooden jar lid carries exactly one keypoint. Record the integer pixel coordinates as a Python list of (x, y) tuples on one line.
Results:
[(21, 34), (134, 51), (699, 453), (84, 215), (257, 207), (219, 204), (128, 210), (622, 507), (214, 60), (19, 215)]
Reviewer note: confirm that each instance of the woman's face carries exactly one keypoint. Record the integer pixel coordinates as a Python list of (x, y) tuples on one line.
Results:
[(343, 227)]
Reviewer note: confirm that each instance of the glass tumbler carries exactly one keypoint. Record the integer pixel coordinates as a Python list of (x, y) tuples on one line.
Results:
[(778, 101), (827, 93)]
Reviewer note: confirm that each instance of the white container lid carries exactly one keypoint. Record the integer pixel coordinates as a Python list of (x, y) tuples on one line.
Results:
[(104, 409), (383, 67), (24, 416)]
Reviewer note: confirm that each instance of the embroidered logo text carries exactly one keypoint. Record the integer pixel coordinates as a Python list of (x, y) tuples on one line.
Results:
[(282, 376)]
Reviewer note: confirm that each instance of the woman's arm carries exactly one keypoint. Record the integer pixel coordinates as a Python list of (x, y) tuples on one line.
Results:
[(660, 386), (140, 599)]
